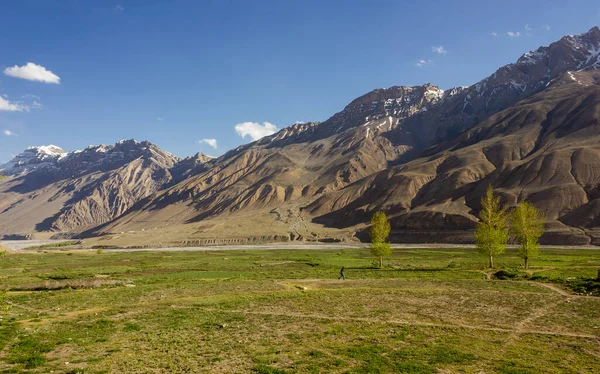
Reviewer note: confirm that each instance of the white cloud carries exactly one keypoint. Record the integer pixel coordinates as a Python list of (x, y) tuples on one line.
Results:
[(32, 72), (423, 63), (9, 133), (159, 119), (8, 106), (119, 8), (30, 96), (547, 27), (513, 34), (439, 50), (494, 34), (255, 130), (527, 28), (299, 123), (211, 142)]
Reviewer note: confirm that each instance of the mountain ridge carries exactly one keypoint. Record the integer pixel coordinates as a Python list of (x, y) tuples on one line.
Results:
[(47, 189), (404, 144)]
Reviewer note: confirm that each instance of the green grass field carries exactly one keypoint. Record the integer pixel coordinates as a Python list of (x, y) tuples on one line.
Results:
[(284, 311)]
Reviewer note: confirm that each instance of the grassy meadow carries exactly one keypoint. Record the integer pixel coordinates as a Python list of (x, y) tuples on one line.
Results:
[(284, 311)]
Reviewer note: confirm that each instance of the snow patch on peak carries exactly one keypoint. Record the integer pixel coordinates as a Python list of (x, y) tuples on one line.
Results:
[(454, 91), (434, 93), (46, 150), (532, 57), (33, 158), (123, 141)]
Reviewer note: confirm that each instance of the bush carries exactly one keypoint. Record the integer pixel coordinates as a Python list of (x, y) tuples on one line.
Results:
[(507, 274), (584, 286)]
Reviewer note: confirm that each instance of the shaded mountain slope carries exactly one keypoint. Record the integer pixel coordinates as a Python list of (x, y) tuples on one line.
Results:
[(545, 149), (367, 156)]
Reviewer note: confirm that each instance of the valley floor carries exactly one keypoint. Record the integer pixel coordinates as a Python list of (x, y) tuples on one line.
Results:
[(277, 311)]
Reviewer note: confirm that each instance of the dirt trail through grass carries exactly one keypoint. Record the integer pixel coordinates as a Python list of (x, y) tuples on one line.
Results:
[(556, 289), (520, 330)]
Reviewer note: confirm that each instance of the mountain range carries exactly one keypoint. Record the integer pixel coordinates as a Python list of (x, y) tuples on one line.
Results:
[(421, 154)]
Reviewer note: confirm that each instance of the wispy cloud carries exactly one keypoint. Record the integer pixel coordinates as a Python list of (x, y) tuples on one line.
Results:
[(513, 34), (255, 130), (9, 106), (119, 8), (32, 72), (30, 96), (494, 34), (547, 27), (211, 142), (423, 63), (30, 101), (439, 50), (9, 133), (159, 119), (527, 28)]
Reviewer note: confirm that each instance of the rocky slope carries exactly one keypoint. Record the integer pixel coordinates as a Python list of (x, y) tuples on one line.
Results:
[(400, 149), (545, 149), (48, 189)]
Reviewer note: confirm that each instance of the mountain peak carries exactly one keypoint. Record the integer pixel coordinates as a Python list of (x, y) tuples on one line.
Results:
[(54, 159), (47, 150), (32, 158)]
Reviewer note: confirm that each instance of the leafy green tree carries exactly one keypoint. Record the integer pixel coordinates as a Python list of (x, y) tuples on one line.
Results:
[(491, 233), (380, 231), (527, 226)]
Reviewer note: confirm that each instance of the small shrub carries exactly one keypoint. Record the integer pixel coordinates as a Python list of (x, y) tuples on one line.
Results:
[(316, 354), (584, 286), (132, 327), (507, 274)]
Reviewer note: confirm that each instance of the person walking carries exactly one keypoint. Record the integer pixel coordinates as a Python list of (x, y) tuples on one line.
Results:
[(342, 273)]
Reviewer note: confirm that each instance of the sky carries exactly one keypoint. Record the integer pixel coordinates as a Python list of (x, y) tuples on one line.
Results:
[(207, 76)]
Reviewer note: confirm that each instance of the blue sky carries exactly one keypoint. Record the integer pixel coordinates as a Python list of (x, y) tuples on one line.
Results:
[(176, 72)]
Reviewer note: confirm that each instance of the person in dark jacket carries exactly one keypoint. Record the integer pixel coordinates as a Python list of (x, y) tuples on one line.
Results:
[(342, 273)]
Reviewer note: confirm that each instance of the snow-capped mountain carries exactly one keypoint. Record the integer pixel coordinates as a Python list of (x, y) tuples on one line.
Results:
[(53, 160), (68, 190), (32, 158)]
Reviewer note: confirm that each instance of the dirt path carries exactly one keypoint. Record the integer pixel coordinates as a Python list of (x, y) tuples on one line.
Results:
[(555, 288), (522, 330), (521, 327)]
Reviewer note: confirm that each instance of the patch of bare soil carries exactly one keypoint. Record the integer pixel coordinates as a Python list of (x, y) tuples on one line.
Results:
[(68, 283)]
